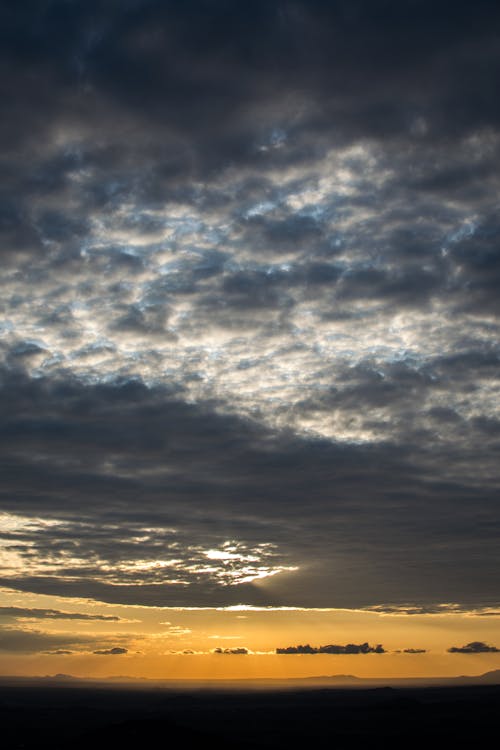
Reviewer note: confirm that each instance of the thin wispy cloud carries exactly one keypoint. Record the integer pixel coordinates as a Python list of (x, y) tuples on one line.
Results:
[(53, 614)]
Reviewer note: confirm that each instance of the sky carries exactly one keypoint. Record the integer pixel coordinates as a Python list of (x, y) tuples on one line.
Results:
[(249, 337)]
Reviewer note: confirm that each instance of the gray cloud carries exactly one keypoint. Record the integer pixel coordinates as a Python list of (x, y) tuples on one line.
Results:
[(349, 648), (238, 651), (414, 651), (32, 641), (476, 647), (86, 453), (53, 614), (250, 298), (427, 609), (115, 651)]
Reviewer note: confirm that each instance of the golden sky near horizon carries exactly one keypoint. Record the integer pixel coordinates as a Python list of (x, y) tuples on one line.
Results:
[(50, 635)]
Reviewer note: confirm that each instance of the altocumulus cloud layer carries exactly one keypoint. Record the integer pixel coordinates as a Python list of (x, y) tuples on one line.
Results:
[(250, 282)]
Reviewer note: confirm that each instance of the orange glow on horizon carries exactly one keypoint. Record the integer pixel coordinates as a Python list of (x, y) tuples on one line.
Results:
[(95, 639)]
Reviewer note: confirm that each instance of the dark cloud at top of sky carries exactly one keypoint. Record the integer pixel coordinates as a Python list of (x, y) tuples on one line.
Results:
[(249, 337), (213, 58), (153, 100)]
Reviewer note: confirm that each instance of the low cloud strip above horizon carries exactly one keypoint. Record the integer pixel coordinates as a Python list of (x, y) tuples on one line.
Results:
[(249, 342)]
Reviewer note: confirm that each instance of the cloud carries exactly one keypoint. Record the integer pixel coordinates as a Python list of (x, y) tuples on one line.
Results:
[(475, 647), (115, 651), (250, 303), (414, 651), (53, 614), (489, 613), (349, 648), (238, 651), (110, 443), (29, 640), (447, 608), (59, 652), (16, 640)]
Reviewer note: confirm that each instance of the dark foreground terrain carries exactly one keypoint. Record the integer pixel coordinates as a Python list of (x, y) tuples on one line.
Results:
[(81, 716)]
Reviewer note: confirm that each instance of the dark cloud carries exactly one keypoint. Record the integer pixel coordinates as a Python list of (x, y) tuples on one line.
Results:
[(476, 647), (53, 614), (411, 287), (34, 641), (349, 648), (238, 651), (115, 651), (490, 613), (285, 233), (128, 477), (414, 651), (423, 609), (250, 298), (134, 100)]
